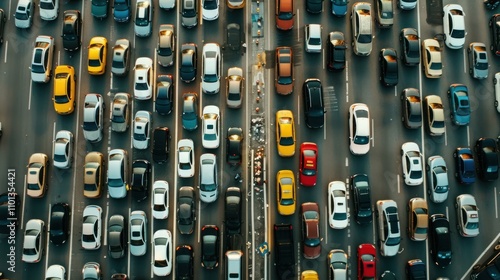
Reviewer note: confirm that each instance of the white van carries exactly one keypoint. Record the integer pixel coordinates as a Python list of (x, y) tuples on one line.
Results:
[(233, 265)]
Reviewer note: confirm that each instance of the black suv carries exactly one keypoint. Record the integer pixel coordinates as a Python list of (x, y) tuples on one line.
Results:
[(71, 30), (314, 109), (360, 187), (233, 39), (489, 269), (141, 170), (161, 137), (59, 223), (487, 157), (232, 209), (495, 34), (440, 239), (234, 146)]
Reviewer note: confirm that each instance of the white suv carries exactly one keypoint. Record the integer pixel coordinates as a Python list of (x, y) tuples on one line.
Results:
[(361, 18), (313, 38), (93, 114), (389, 232), (210, 77), (454, 26), (209, 189)]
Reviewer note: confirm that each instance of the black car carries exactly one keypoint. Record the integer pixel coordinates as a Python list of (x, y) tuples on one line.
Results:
[(314, 110), (160, 150), (464, 166), (186, 210), (189, 58), (3, 20), (184, 266), (119, 276), (232, 210), (440, 239), (117, 236), (362, 201), (210, 246), (314, 6), (489, 269), (487, 159), (71, 30), (415, 270), (233, 39), (388, 275), (495, 34), (410, 47), (412, 108), (388, 60), (59, 223), (141, 170), (164, 94), (336, 51), (9, 211), (234, 145)]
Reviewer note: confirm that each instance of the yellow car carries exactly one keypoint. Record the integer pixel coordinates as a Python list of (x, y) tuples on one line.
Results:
[(309, 275), (285, 133), (285, 192), (93, 174), (64, 89), (98, 49)]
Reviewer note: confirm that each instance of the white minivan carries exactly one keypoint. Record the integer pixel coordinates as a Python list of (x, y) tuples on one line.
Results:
[(233, 264)]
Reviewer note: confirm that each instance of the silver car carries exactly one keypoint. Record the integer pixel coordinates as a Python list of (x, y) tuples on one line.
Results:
[(41, 62), (121, 55), (467, 215), (189, 13), (34, 241), (362, 28), (478, 60), (438, 179), (63, 149), (166, 45), (117, 173), (119, 113), (91, 271), (138, 233), (209, 188), (234, 85), (93, 117), (142, 122)]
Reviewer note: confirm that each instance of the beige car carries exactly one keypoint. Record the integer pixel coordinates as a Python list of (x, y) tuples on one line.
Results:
[(435, 115), (93, 175), (36, 181), (284, 71), (418, 219), (431, 58)]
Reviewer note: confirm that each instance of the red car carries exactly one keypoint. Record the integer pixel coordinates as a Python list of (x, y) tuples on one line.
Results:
[(308, 164), (367, 265), (310, 230)]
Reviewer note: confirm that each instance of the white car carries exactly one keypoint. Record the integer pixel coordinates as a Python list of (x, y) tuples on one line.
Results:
[(160, 199), (313, 38), (211, 68), (138, 233), (496, 84), (211, 127), (359, 129), (55, 272), (162, 252), (209, 188), (167, 4), (143, 18), (93, 117), (234, 87), (91, 228), (34, 241), (467, 215), (142, 123), (337, 205), (361, 26), (389, 230), (454, 26), (412, 164), (117, 173), (25, 10), (41, 62), (407, 4), (143, 78), (438, 179), (210, 9), (63, 149), (185, 154), (49, 9)]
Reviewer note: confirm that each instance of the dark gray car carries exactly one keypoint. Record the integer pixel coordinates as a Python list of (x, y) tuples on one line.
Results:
[(117, 236), (186, 210)]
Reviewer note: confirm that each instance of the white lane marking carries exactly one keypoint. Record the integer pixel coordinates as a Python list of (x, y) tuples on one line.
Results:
[(399, 184), (298, 24), (326, 225), (58, 57), (106, 217), (468, 136), (346, 161), (29, 96), (373, 134), (47, 240), (496, 201), (298, 109), (324, 129), (465, 60), (128, 236), (395, 91), (447, 211), (24, 200), (6, 48)]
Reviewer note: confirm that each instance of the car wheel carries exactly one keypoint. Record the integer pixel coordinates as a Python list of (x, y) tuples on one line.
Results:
[(496, 103), (402, 119), (455, 154), (427, 167), (494, 81), (497, 247)]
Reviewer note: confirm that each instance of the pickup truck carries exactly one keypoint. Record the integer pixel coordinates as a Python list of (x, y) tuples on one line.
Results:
[(284, 248)]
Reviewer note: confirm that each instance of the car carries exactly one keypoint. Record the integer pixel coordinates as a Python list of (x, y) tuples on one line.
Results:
[(49, 9), (232, 210), (55, 271), (284, 75), (117, 236), (454, 26), (91, 271), (308, 164), (339, 7), (189, 59), (120, 112), (440, 239), (167, 4), (361, 21), (160, 201), (141, 170), (284, 248), (60, 215), (478, 60), (336, 60), (210, 9), (418, 219), (209, 186), (36, 178), (314, 109), (210, 246), (337, 264), (234, 261), (34, 241), (389, 275), (143, 78), (385, 13), (23, 17), (41, 61), (92, 227), (309, 275), (234, 146), (487, 159), (431, 58), (464, 166), (494, 24), (72, 30), (186, 210), (459, 103), (142, 123), (138, 233), (234, 87), (99, 9), (435, 115), (467, 215), (165, 49), (162, 252), (367, 262), (285, 133), (119, 276), (235, 4), (438, 179), (164, 98), (361, 194), (416, 270), (412, 164), (211, 68), (211, 127), (93, 170), (93, 117), (234, 34), (62, 151), (487, 269), (9, 218), (161, 147), (313, 38), (143, 26), (496, 85), (64, 89), (408, 37), (311, 238), (314, 6), (185, 154), (285, 192), (411, 108), (121, 10), (388, 61), (189, 13), (117, 179), (389, 233), (98, 48), (190, 111), (337, 205), (359, 129), (3, 20), (121, 57), (284, 14), (184, 262), (407, 4)]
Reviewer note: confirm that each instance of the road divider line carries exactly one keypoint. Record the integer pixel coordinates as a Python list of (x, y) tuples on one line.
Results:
[(326, 225), (5, 53), (47, 241), (373, 134), (496, 202), (24, 200), (298, 24), (399, 184), (346, 161), (29, 96), (468, 136), (128, 237), (106, 217), (465, 60)]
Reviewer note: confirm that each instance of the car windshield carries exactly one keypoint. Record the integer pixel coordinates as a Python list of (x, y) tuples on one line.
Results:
[(285, 80), (416, 174), (21, 16), (90, 126), (208, 187), (140, 136), (121, 5), (339, 54), (210, 4), (314, 41), (392, 241), (481, 66), (286, 141), (438, 124), (115, 182), (141, 86), (59, 157), (47, 5), (285, 15), (94, 62), (457, 33), (61, 99), (361, 140), (37, 68), (210, 78), (364, 38), (142, 21), (436, 66)]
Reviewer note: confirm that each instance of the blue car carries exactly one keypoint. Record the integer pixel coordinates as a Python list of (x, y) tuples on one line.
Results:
[(459, 104), (465, 168), (339, 7), (121, 10)]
